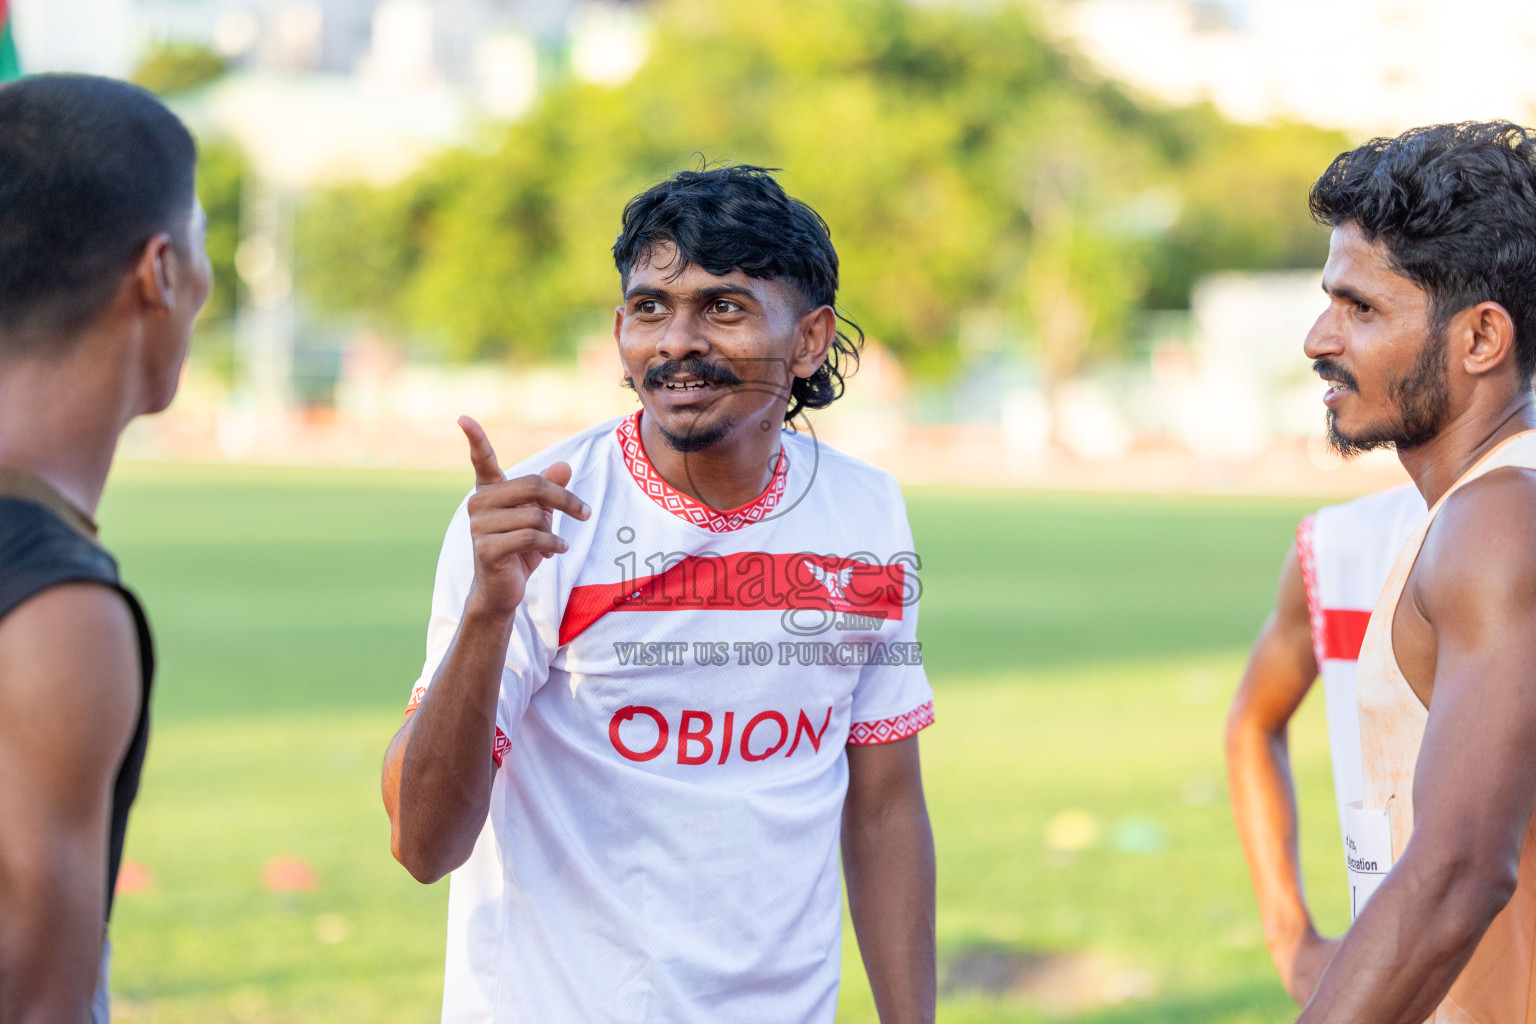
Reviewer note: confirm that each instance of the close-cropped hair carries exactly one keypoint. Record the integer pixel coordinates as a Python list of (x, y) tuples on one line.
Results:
[(739, 217), (1455, 207), (91, 169)]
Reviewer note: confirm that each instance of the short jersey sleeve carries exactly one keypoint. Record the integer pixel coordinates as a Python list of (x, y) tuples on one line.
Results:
[(528, 653), (892, 699)]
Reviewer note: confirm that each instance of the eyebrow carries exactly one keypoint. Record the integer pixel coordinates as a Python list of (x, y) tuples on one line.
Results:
[(702, 295), (1346, 292)]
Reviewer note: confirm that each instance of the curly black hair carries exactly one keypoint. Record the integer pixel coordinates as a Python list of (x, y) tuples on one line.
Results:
[(739, 217), (1455, 206)]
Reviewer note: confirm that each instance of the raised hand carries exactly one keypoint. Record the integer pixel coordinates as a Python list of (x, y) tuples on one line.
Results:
[(510, 522)]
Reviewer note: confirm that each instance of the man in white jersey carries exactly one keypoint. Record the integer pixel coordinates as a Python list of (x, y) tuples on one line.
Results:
[(672, 665), (1328, 584)]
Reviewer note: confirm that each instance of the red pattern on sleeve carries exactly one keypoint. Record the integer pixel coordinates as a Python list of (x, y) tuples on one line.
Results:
[(499, 746), (889, 730)]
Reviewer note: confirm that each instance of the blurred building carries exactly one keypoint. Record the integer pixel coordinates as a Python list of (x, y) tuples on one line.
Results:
[(93, 36), (1367, 66), (324, 91), (396, 43), (338, 35), (494, 52)]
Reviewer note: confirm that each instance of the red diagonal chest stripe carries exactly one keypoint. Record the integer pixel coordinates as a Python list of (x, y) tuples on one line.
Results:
[(746, 581), (1344, 633)]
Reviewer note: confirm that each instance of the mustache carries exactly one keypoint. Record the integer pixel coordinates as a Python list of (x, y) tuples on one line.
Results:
[(1334, 370), (714, 374)]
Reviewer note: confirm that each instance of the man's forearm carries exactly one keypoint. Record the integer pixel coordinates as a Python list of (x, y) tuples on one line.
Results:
[(1264, 810), (888, 861), (440, 764), (1403, 953)]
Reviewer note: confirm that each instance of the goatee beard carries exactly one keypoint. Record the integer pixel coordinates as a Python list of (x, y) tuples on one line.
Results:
[(716, 374), (1422, 399), (697, 440)]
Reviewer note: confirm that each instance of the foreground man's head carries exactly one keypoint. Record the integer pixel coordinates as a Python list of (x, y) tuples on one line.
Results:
[(1431, 278), (101, 234)]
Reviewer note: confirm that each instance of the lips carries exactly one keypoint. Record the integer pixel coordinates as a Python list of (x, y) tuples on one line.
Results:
[(692, 382), (685, 390), (690, 375), (1339, 380), (1336, 391)]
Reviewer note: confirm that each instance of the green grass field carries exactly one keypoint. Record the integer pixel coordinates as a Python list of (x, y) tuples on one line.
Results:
[(1082, 648)]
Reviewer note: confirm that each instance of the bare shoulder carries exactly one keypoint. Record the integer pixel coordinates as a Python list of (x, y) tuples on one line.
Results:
[(1291, 608), (69, 677), (1480, 554)]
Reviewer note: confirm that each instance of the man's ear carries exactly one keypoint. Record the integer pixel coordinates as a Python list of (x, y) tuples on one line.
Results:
[(818, 328), (156, 274), (1487, 334)]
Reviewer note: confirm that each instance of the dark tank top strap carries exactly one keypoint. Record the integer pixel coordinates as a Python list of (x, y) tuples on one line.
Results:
[(39, 550), (125, 787)]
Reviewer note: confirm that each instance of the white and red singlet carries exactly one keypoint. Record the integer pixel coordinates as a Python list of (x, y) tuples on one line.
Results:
[(1346, 552)]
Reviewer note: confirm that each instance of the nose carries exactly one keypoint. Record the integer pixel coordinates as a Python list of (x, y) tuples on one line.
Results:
[(1324, 340), (681, 338)]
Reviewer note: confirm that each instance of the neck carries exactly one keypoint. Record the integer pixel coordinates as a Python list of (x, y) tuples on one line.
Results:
[(1437, 464), (60, 422), (731, 473)]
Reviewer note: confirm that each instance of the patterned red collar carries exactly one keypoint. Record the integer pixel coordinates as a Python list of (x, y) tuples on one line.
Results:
[(684, 507)]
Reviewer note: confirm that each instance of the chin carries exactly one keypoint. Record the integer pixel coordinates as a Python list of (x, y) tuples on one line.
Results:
[(703, 426), (162, 378), (696, 434), (159, 403), (1347, 443), (161, 393)]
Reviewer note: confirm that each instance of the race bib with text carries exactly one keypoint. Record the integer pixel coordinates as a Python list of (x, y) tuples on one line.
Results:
[(1367, 852)]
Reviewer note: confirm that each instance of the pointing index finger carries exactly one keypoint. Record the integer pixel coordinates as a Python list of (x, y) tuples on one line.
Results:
[(481, 455)]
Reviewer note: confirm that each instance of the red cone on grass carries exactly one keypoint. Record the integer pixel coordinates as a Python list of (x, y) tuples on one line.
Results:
[(288, 874), (134, 877)]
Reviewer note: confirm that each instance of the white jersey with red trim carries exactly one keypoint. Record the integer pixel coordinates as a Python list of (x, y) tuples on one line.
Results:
[(662, 843), (1346, 552)]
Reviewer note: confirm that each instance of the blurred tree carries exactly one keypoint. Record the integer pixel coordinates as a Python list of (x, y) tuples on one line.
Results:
[(220, 174), (960, 157), (177, 67), (1245, 205)]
